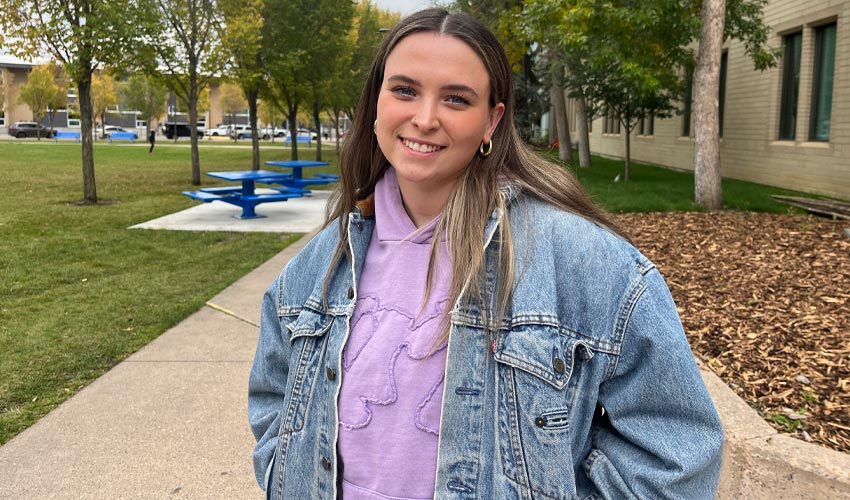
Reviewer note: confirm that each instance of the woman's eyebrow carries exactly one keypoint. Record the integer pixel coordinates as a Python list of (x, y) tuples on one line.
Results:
[(456, 87)]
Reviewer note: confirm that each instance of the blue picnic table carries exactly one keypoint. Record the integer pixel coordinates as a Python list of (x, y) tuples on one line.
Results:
[(245, 195), (298, 181)]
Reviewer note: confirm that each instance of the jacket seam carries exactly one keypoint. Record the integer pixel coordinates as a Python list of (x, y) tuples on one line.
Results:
[(623, 319)]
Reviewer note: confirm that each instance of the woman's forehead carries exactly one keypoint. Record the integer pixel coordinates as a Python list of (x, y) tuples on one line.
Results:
[(431, 55)]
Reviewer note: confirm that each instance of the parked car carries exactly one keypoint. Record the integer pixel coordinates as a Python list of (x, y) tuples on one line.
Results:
[(303, 132), (221, 130), (179, 129), (30, 129), (273, 132), (110, 129)]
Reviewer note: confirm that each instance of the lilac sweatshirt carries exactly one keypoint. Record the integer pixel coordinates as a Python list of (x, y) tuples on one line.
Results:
[(392, 384)]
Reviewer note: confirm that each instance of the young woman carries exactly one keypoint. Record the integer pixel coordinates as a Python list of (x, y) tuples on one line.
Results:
[(468, 324)]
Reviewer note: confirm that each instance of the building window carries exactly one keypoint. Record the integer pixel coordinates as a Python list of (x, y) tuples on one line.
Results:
[(689, 94), (790, 86), (646, 125), (612, 123), (721, 97), (822, 83)]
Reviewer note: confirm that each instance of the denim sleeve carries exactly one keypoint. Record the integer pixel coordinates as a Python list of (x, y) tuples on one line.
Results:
[(267, 383), (665, 438)]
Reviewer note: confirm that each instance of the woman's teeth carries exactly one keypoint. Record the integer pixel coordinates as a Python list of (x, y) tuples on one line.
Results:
[(421, 148)]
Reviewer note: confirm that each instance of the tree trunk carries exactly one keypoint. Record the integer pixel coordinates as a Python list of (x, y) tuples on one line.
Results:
[(86, 129), (627, 124), (252, 96), (708, 191), (193, 135), (293, 130), (553, 123), (583, 134), (565, 146), (318, 124)]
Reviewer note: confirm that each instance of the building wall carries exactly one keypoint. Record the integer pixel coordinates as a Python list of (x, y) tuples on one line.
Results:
[(15, 112), (750, 149)]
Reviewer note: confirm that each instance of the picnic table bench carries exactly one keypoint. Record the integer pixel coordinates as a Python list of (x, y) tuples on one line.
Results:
[(298, 180), (62, 134), (299, 139), (122, 136), (244, 195)]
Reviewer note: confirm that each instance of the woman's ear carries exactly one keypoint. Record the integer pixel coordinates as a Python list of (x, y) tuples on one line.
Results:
[(495, 117)]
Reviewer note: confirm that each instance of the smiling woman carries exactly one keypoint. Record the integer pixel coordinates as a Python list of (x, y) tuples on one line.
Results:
[(468, 323)]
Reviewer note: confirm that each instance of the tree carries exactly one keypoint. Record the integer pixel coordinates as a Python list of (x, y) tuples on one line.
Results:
[(559, 112), (180, 46), (80, 35), (41, 92), (232, 101), (242, 40), (269, 115), (104, 95), (146, 96), (721, 20), (707, 190), (300, 46), (327, 54), (625, 55)]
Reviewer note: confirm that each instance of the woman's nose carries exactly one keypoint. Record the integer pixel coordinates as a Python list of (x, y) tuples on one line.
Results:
[(425, 117)]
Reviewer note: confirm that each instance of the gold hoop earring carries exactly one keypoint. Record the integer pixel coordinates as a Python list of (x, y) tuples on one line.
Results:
[(485, 154), (375, 127)]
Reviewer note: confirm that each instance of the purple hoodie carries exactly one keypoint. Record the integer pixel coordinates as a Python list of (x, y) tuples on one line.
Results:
[(392, 384)]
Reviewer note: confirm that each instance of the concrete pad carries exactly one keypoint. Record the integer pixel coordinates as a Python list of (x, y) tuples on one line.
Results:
[(173, 430), (298, 215)]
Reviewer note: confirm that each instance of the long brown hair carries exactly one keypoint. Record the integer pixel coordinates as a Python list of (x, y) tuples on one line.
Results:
[(477, 193)]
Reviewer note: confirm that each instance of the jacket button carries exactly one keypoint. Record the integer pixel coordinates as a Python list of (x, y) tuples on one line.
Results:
[(326, 464), (539, 421), (331, 373), (351, 293), (558, 365)]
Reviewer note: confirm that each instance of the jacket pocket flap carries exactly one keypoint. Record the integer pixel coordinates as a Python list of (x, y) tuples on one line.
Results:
[(309, 323), (543, 352)]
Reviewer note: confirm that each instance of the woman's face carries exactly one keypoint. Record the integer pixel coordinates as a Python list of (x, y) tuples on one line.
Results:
[(433, 111)]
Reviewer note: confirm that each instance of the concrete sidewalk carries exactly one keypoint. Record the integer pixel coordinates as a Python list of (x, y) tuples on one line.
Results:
[(170, 422)]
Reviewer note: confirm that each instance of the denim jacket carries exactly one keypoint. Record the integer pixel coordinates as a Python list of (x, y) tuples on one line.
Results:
[(588, 390)]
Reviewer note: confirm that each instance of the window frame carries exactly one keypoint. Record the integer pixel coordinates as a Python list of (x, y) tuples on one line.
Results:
[(790, 94), (818, 61)]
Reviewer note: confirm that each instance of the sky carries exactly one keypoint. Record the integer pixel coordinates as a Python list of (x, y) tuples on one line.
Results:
[(403, 6)]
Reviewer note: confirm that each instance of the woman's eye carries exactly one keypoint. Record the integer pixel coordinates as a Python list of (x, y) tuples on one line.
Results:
[(403, 91), (457, 99)]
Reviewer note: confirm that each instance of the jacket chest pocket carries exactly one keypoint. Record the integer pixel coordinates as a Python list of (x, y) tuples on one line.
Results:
[(307, 335), (542, 385)]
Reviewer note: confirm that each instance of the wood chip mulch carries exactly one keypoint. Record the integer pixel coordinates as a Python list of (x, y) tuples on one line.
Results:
[(765, 301)]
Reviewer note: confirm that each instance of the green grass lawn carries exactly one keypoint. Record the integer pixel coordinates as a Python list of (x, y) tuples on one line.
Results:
[(653, 189), (79, 292)]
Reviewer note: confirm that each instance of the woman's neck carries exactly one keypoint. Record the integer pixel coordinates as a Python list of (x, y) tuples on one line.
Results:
[(423, 205)]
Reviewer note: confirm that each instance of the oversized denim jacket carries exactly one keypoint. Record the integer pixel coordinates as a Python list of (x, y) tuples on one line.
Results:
[(589, 389)]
